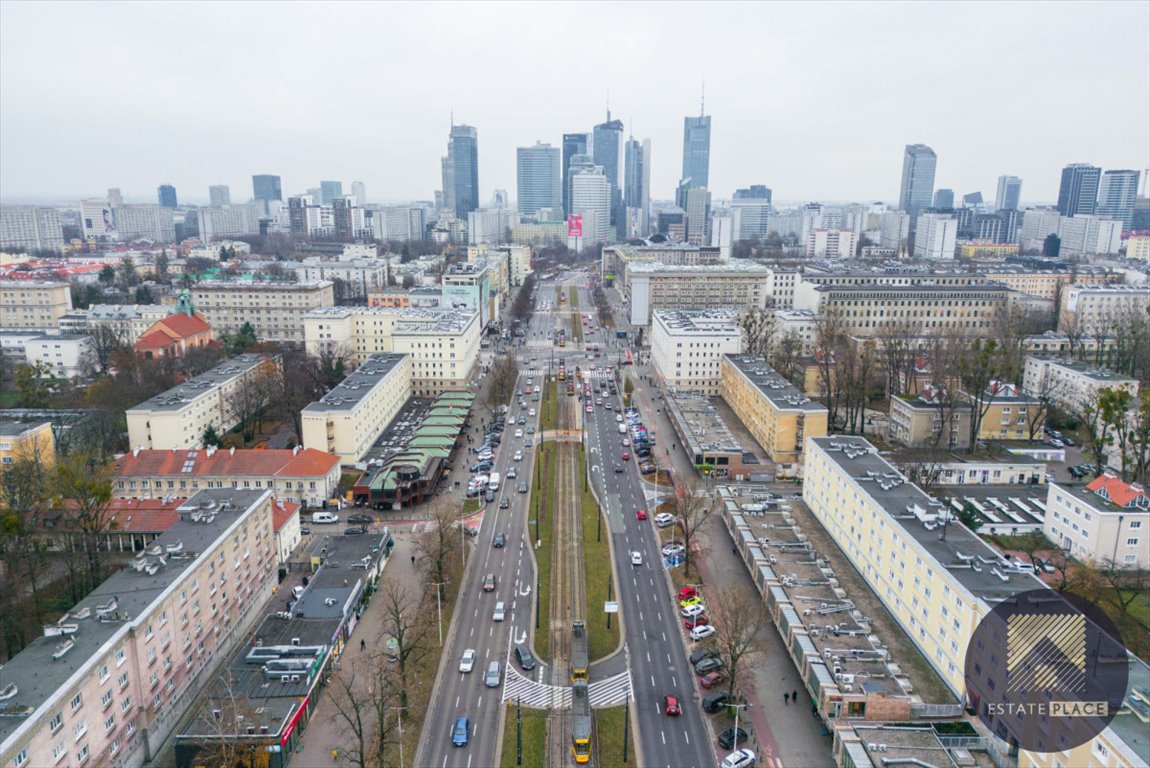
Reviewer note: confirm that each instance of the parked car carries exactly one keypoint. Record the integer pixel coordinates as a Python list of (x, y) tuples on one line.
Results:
[(703, 653), (715, 702), (705, 666), (688, 596), (732, 737), (354, 531), (672, 549), (664, 519), (524, 657), (360, 519), (712, 679), (699, 633), (698, 609), (740, 758), (696, 621)]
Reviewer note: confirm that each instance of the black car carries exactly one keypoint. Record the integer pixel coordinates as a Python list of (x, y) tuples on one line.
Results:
[(354, 531), (360, 519), (715, 702), (524, 657), (703, 653), (728, 739), (500, 540)]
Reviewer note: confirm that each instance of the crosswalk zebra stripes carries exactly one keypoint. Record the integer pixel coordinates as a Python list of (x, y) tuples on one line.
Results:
[(603, 693)]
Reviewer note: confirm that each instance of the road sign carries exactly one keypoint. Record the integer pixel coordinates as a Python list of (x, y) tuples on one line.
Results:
[(610, 606)]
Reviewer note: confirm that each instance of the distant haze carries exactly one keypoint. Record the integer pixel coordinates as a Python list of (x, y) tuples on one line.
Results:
[(814, 100)]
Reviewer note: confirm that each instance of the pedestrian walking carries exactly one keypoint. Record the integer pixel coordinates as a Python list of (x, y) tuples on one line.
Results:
[(413, 559), (795, 696), (786, 698), (362, 645)]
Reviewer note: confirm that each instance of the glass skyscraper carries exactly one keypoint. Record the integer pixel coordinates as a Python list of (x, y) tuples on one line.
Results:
[(538, 180), (697, 150), (918, 163), (1116, 196), (266, 186), (1078, 192), (573, 144), (1008, 194), (167, 195), (329, 191), (461, 171), (606, 147)]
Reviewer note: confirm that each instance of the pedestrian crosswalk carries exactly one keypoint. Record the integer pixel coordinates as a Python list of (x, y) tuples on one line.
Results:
[(604, 693)]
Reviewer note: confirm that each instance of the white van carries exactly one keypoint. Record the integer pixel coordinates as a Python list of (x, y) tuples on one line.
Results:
[(493, 482), (622, 429), (324, 517)]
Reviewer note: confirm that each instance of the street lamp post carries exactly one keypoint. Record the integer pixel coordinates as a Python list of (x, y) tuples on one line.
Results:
[(439, 608), (737, 708)]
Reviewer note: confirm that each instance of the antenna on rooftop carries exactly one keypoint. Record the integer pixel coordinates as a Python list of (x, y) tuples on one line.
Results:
[(608, 105), (703, 100)]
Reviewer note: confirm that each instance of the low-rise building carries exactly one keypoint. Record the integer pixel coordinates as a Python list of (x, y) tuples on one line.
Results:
[(347, 420), (799, 323), (179, 417), (776, 414), (111, 679), (1138, 246), (353, 280), (918, 421), (27, 441), (986, 250), (274, 308), (127, 321), (688, 345), (1105, 522), (63, 355), (1070, 382), (825, 243), (300, 475), (33, 304), (1096, 309), (174, 335)]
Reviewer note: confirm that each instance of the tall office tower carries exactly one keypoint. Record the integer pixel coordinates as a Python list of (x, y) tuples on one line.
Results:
[(1078, 192), (637, 181), (918, 163), (265, 186), (1116, 196), (500, 200), (750, 213), (329, 191), (812, 218), (606, 147), (37, 229), (573, 144), (591, 198), (578, 163), (1008, 194), (944, 198), (538, 183), (935, 236), (359, 191), (697, 150), (115, 198), (219, 194), (754, 192), (461, 171), (698, 209), (166, 194)]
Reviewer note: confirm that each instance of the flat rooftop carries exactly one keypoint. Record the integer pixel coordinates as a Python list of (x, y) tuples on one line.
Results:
[(697, 322), (38, 675), (17, 428), (733, 267), (1015, 508), (699, 418), (179, 396), (784, 395), (972, 562), (348, 394), (407, 318), (276, 285), (1092, 372)]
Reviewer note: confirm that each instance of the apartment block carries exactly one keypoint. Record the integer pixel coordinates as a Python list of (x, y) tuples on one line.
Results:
[(687, 347), (481, 285), (62, 355), (1047, 283), (1138, 246), (36, 229), (110, 680), (986, 250), (21, 441), (127, 321), (800, 323), (33, 305), (823, 243), (650, 286), (776, 414), (616, 258), (1107, 521), (177, 418), (301, 476), (356, 279), (443, 342), (273, 307), (1070, 382), (781, 282), (1096, 308), (347, 420), (918, 421)]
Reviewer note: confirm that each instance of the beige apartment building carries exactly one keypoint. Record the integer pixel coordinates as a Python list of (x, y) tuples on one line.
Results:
[(1046, 283), (868, 310), (31, 441), (273, 307), (687, 347), (777, 415), (443, 342), (177, 418), (33, 304), (297, 475), (917, 421), (347, 420), (654, 285), (1108, 520), (1096, 308), (890, 531), (110, 679)]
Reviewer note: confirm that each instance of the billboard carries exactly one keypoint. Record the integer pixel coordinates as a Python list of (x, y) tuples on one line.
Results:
[(574, 226)]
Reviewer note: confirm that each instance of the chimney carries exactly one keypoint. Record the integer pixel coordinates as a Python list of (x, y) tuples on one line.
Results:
[(135, 451), (295, 451), (233, 453)]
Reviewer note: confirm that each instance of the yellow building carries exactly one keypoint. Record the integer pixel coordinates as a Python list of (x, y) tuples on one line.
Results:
[(979, 249), (19, 441), (273, 307), (890, 530), (1008, 415), (33, 304), (777, 415), (347, 420), (1138, 247)]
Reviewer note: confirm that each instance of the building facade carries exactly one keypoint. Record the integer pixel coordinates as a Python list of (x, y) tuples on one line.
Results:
[(1105, 522), (266, 186), (31, 228), (274, 308), (538, 180), (935, 236), (697, 150), (917, 190), (649, 286), (831, 243), (1009, 193), (1069, 382), (1078, 191), (687, 348), (776, 414), (33, 305)]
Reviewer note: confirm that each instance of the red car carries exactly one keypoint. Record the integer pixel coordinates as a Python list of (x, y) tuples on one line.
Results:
[(626, 456), (686, 592), (712, 678), (671, 705), (641, 514), (699, 621)]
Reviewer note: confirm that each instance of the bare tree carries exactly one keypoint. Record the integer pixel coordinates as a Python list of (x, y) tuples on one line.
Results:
[(737, 623), (830, 338), (980, 371), (1138, 439), (438, 544), (691, 507), (85, 486), (364, 698), (759, 329), (504, 372), (787, 358), (897, 347), (107, 339), (403, 623), (24, 500), (221, 727)]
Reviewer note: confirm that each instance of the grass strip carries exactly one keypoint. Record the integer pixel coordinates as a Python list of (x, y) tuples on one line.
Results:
[(597, 572), (549, 415), (534, 734), (546, 461), (608, 745)]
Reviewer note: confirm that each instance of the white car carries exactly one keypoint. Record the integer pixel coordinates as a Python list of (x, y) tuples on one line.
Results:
[(511, 473), (740, 758), (636, 558), (531, 412), (698, 609), (698, 633), (518, 456), (497, 614), (519, 433), (664, 519), (467, 663), (670, 550), (619, 418)]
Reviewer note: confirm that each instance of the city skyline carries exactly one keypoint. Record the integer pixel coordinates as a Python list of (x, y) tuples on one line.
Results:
[(394, 147)]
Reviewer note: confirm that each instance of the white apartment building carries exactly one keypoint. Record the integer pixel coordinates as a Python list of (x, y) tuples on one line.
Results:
[(147, 222), (801, 323), (750, 219), (443, 342), (591, 199), (781, 282), (229, 221), (347, 420), (110, 680), (33, 304), (178, 417), (894, 229), (63, 355), (935, 236), (687, 347), (360, 276), (831, 243), (273, 307), (1097, 307), (399, 223), (1108, 520), (1070, 382), (489, 225), (128, 321), (1089, 235), (737, 285), (26, 226)]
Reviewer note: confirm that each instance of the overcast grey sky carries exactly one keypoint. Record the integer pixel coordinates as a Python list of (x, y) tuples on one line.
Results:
[(814, 100)]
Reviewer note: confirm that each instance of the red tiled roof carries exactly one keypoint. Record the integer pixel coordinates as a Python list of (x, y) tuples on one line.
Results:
[(1118, 492), (282, 511), (154, 339), (184, 325), (308, 462)]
